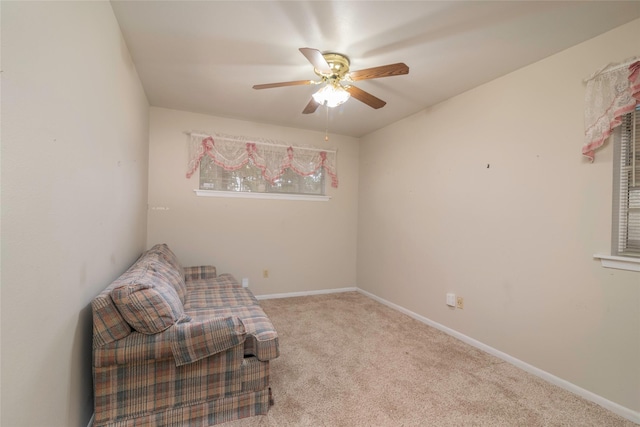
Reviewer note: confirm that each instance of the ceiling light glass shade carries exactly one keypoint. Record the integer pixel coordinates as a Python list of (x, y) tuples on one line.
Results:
[(332, 95)]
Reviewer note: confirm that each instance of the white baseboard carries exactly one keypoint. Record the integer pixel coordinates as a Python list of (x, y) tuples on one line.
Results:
[(307, 293), (627, 413)]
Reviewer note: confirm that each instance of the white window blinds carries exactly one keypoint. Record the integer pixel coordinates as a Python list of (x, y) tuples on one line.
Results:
[(626, 233)]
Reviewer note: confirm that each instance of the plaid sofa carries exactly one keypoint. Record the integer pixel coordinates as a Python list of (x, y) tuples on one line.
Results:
[(176, 346)]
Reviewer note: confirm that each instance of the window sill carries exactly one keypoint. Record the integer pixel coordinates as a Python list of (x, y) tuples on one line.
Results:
[(619, 262), (271, 196)]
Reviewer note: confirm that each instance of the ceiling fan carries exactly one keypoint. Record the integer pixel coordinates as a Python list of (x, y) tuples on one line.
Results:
[(333, 70)]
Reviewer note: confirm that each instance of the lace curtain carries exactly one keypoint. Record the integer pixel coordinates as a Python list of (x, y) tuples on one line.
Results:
[(611, 93), (272, 158)]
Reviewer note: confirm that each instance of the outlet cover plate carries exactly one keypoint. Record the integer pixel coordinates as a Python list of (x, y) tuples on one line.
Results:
[(451, 300)]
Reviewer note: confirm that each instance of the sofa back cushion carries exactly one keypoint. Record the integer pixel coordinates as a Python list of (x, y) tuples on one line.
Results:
[(166, 272), (171, 264), (147, 302)]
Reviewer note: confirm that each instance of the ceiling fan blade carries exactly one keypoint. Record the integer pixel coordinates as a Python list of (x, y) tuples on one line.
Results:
[(317, 60), (365, 97), (382, 71), (311, 107), (281, 84)]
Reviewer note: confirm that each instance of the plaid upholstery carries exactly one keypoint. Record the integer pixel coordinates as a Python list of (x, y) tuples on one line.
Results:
[(224, 296), (108, 323), (149, 304), (205, 272), (169, 266), (169, 274), (163, 250), (136, 347), (261, 340), (195, 340), (141, 388), (212, 369), (231, 299), (207, 413), (217, 281)]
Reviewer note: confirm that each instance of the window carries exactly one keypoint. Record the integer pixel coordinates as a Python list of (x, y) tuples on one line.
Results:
[(237, 166), (249, 178), (626, 192)]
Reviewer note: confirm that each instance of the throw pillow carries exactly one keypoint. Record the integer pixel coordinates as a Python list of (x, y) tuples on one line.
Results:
[(148, 304)]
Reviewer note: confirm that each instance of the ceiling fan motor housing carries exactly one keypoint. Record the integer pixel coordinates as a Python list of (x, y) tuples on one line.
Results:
[(339, 65)]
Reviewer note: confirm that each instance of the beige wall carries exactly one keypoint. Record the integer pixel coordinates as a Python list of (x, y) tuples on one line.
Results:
[(74, 188), (306, 246), (497, 205)]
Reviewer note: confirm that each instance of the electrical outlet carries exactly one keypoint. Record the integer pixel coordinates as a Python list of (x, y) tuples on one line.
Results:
[(265, 274), (460, 302)]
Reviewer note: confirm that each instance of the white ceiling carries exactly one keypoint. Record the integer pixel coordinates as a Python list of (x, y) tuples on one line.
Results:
[(205, 56)]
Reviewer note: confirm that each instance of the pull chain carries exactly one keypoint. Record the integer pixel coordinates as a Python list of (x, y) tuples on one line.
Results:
[(326, 128)]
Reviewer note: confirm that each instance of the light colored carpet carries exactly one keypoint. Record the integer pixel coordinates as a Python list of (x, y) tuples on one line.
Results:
[(347, 360)]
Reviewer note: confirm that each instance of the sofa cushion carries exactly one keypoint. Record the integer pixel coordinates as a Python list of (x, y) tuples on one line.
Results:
[(224, 297), (261, 339), (168, 272), (166, 254), (201, 272), (169, 256), (193, 341), (148, 303), (223, 291)]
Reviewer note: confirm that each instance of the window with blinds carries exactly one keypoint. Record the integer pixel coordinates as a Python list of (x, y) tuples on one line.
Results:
[(249, 178), (626, 208)]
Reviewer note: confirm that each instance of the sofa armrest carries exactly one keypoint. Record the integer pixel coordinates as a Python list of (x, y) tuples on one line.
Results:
[(134, 348), (196, 340), (202, 272)]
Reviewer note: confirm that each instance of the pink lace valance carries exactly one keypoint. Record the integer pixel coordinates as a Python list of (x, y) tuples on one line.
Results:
[(611, 93), (273, 159)]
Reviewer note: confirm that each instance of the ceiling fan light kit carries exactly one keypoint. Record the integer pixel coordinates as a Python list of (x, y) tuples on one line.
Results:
[(331, 95), (333, 69)]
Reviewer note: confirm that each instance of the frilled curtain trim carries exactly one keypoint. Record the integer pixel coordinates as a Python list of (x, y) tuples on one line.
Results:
[(611, 93), (232, 153)]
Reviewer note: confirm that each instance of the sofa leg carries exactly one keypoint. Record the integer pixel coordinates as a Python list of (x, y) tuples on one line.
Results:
[(271, 401)]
